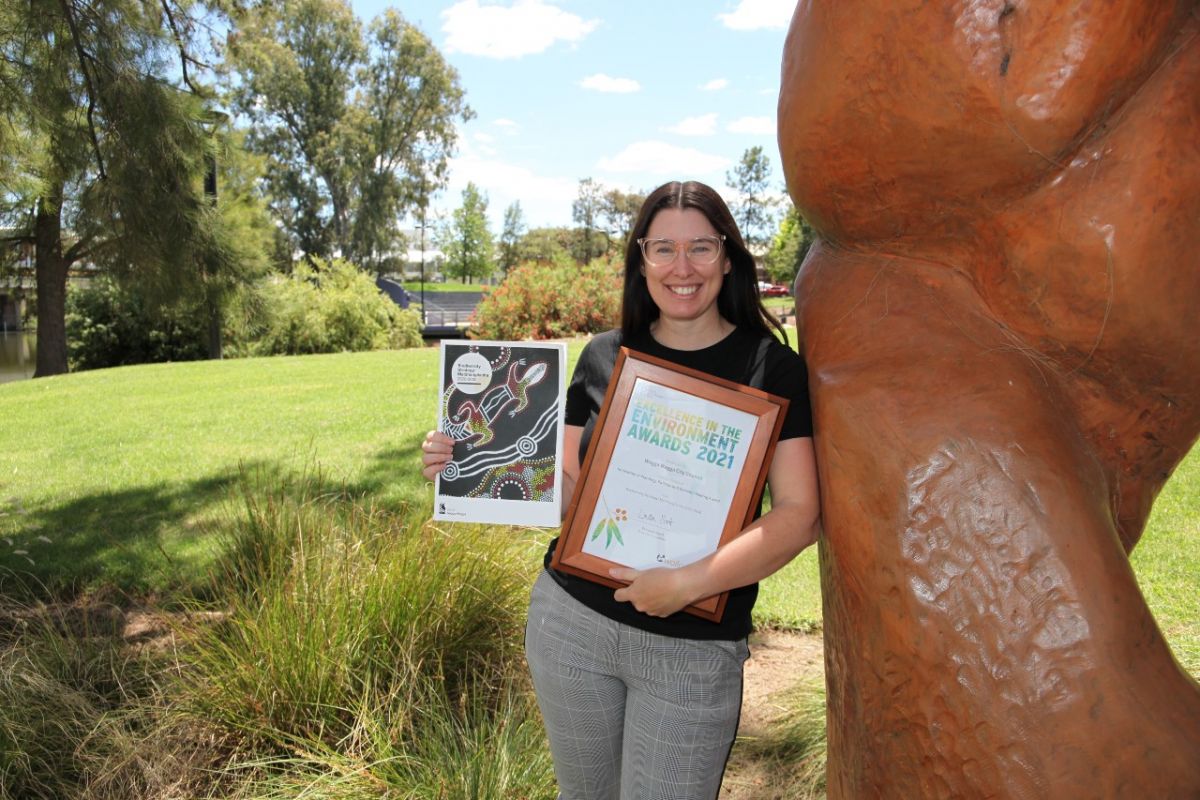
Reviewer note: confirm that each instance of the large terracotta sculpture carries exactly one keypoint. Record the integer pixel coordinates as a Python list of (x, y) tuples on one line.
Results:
[(1001, 325)]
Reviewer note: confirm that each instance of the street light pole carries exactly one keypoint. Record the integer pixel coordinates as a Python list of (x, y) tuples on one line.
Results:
[(424, 206)]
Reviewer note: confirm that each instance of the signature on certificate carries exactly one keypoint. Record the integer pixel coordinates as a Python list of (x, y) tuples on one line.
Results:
[(657, 519)]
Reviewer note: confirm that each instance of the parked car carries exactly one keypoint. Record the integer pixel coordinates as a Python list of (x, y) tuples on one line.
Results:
[(772, 289)]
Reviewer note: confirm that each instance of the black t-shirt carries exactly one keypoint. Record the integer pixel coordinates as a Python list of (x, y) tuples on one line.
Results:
[(741, 357)]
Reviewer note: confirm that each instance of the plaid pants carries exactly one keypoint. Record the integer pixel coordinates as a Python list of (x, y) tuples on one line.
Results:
[(631, 715)]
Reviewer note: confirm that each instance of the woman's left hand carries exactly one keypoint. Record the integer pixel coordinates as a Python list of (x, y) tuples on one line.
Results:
[(658, 592)]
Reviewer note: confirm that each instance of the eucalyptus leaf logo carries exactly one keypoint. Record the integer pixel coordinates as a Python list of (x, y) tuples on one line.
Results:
[(609, 527)]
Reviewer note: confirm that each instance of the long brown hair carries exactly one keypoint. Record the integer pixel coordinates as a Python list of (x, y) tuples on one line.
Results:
[(738, 302)]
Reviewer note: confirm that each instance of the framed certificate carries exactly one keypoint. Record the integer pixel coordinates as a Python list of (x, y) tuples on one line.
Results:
[(502, 403), (675, 468)]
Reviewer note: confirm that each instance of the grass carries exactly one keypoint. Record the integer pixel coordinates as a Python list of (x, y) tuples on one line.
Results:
[(449, 286), (109, 475), (359, 650)]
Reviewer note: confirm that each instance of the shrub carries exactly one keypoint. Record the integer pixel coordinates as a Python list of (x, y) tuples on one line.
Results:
[(330, 307), (547, 301), (365, 651), (110, 325)]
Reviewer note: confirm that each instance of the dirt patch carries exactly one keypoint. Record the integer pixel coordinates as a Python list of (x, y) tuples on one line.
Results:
[(779, 660)]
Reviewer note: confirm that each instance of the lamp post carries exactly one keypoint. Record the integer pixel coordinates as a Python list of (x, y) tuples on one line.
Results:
[(422, 266)]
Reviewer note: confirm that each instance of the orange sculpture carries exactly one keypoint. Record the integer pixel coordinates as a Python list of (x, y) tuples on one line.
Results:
[(1000, 321)]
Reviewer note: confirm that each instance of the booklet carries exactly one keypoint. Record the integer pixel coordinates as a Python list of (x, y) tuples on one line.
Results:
[(503, 404)]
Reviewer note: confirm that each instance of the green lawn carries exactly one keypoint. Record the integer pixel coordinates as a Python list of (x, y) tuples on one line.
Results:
[(110, 477)]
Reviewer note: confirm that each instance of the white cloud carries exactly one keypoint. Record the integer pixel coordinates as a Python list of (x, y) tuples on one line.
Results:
[(506, 125), (603, 83), (660, 158), (705, 125), (716, 84), (485, 138), (545, 199), (752, 15), (759, 126), (497, 31)]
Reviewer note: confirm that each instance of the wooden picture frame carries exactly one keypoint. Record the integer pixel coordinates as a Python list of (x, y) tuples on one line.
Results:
[(674, 451)]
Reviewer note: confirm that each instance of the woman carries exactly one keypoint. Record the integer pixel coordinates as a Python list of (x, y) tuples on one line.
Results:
[(640, 699)]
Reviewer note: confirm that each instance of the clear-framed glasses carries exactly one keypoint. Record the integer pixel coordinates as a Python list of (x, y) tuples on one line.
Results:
[(703, 250)]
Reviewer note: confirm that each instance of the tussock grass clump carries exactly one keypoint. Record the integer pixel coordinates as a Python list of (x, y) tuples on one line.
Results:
[(793, 755), (365, 649), (83, 714)]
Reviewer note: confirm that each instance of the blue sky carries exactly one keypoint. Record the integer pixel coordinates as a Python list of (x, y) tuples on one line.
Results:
[(631, 94)]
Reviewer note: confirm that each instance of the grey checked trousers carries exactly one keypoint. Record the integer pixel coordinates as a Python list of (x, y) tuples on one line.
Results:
[(631, 715)]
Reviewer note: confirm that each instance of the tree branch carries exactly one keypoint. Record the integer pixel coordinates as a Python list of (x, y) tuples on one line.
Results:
[(87, 79), (184, 58)]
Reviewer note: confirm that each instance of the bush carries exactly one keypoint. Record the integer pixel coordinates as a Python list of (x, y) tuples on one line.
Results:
[(548, 301), (331, 307), (109, 325), (365, 651)]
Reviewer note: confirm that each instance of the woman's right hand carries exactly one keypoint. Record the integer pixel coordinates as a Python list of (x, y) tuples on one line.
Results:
[(436, 452)]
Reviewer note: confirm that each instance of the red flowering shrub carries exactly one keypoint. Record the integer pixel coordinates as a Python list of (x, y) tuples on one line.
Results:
[(551, 301)]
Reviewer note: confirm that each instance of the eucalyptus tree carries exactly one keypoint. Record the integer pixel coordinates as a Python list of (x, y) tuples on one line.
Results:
[(358, 125), (754, 207), (586, 211), (620, 210), (106, 142), (466, 239), (510, 236)]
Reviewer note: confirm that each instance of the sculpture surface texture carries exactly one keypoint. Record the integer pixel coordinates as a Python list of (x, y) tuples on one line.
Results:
[(1000, 321)]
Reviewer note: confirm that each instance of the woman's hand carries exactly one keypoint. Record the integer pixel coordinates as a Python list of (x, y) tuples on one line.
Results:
[(659, 592), (436, 452)]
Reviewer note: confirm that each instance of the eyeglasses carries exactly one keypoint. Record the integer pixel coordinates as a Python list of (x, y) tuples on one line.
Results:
[(703, 250)]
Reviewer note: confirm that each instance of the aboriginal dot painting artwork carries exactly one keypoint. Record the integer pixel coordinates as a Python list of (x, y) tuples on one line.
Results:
[(500, 403)]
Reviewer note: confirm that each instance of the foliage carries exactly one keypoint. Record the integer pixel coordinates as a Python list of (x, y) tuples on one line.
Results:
[(590, 241), (106, 144), (546, 245), (330, 307), (109, 325), (510, 237), (358, 126), (388, 648), (619, 211), (548, 301), (789, 248), (466, 240), (754, 207)]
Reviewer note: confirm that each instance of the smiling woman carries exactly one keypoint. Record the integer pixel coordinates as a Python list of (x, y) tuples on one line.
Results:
[(615, 713)]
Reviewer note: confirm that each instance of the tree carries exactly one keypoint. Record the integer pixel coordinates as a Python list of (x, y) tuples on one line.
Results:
[(547, 245), (789, 247), (466, 240), (358, 127), (585, 212), (620, 210), (754, 208), (107, 142), (510, 237)]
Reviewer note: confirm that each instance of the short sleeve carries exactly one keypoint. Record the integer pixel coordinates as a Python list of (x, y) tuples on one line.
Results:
[(786, 375)]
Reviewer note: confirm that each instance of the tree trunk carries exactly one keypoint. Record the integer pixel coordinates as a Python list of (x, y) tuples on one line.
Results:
[(214, 330), (51, 269)]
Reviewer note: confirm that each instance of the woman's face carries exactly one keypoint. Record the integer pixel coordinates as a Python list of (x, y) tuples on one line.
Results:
[(683, 289)]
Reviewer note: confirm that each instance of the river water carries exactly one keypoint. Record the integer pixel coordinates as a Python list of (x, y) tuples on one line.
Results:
[(18, 355)]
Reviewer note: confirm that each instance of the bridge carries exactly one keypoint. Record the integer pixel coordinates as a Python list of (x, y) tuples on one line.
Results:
[(446, 315)]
